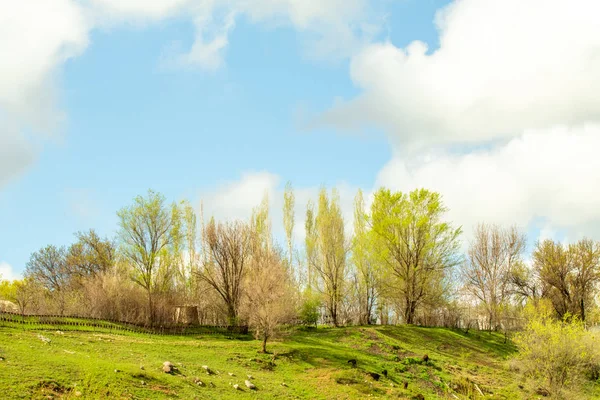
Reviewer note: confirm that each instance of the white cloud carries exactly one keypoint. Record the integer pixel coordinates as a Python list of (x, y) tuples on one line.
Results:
[(36, 37), (331, 28), (7, 272), (138, 9), (209, 45), (553, 175), (502, 67)]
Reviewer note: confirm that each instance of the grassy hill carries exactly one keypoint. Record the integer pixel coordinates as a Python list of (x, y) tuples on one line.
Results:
[(306, 364)]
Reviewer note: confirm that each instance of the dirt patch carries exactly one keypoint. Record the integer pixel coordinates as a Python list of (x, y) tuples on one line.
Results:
[(163, 389), (52, 389)]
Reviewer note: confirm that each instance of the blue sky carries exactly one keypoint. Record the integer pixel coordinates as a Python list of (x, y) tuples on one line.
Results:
[(273, 110)]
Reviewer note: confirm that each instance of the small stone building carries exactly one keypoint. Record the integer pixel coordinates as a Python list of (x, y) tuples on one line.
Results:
[(186, 315)]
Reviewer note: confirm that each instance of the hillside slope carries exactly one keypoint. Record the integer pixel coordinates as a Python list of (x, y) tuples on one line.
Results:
[(308, 364)]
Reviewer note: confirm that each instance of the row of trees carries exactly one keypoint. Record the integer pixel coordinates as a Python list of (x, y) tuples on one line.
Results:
[(402, 263)]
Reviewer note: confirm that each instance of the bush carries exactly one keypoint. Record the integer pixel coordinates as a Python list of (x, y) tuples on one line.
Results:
[(309, 310), (557, 354)]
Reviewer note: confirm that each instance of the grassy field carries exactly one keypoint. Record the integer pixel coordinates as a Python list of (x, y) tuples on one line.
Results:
[(305, 364)]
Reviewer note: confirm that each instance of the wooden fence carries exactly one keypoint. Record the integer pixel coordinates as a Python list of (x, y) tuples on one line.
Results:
[(79, 323)]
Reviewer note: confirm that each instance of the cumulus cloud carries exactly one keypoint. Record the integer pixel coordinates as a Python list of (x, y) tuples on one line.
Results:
[(502, 67), (549, 175), (35, 39), (7, 272)]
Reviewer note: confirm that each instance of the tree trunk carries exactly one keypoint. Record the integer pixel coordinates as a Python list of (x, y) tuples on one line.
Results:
[(231, 315), (264, 344), (150, 309), (409, 314)]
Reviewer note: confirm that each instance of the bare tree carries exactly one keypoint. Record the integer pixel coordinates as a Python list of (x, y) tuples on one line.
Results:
[(224, 268), (48, 268), (491, 258), (269, 295)]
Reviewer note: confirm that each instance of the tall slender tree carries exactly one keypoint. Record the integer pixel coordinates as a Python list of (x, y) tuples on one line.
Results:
[(327, 250), (363, 260), (289, 201)]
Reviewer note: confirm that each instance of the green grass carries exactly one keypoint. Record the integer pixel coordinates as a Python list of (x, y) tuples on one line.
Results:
[(312, 363)]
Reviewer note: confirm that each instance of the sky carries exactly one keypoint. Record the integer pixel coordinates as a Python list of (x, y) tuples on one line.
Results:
[(492, 103)]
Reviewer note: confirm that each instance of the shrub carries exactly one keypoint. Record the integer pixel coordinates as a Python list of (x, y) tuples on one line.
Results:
[(309, 309), (557, 354)]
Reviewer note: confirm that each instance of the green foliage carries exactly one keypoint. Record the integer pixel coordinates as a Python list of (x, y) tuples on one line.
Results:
[(415, 243), (289, 201), (148, 230), (309, 309), (327, 249), (557, 354)]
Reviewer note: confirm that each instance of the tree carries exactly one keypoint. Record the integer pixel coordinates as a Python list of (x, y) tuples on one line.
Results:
[(20, 292), (48, 268), (269, 294), (491, 259), (24, 294), (260, 224), (289, 201), (327, 250), (224, 268), (415, 243), (90, 255), (363, 260), (146, 233), (569, 275)]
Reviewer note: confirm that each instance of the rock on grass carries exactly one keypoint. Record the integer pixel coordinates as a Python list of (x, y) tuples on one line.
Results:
[(167, 367)]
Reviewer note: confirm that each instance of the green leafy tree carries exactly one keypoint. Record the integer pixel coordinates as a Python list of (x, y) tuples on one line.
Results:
[(289, 202), (21, 292), (364, 262), (414, 243), (146, 232), (569, 274), (327, 250), (90, 255)]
